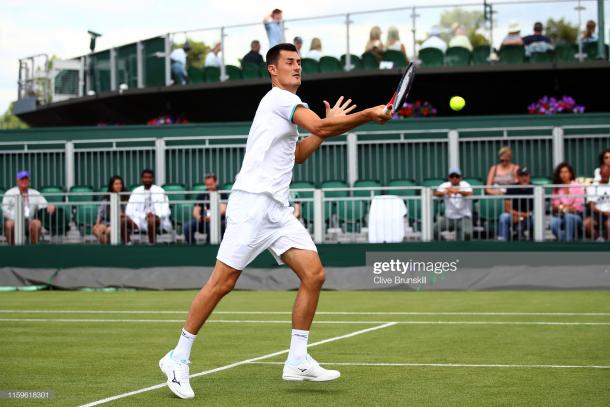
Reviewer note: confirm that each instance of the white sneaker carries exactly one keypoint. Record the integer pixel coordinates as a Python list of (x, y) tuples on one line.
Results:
[(308, 370), (177, 376)]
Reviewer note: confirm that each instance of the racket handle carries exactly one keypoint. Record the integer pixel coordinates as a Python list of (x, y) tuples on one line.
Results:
[(387, 110)]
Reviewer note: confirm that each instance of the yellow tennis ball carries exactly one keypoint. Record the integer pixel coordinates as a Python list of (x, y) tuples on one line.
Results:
[(457, 103)]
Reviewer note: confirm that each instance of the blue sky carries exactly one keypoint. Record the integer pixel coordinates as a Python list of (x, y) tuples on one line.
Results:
[(60, 26)]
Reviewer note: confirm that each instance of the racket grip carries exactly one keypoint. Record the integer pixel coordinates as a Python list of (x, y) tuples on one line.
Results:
[(387, 110)]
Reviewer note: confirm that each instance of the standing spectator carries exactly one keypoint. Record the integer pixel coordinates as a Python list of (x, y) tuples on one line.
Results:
[(518, 211), (460, 39), (374, 45), (537, 42), (501, 174), (298, 43), (148, 207), (514, 35), (178, 60), (101, 229), (315, 49), (589, 35), (434, 40), (201, 217), (32, 201), (567, 205), (597, 224), (274, 25), (458, 209), (254, 56), (604, 159), (212, 58), (393, 42)]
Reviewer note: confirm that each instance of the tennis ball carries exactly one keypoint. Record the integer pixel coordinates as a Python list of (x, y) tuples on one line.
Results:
[(457, 103)]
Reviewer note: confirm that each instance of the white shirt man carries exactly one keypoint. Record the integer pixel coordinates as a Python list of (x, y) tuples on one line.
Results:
[(32, 202), (435, 41), (456, 206), (143, 201), (178, 55), (600, 194)]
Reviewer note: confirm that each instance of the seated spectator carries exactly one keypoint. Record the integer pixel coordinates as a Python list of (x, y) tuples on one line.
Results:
[(254, 56), (201, 212), (32, 201), (590, 33), (604, 159), (458, 209), (460, 39), (148, 207), (374, 45), (518, 212), (298, 43), (393, 42), (212, 58), (315, 49), (537, 42), (101, 229), (274, 26), (501, 174), (514, 35), (567, 205), (597, 224), (434, 40), (178, 61), (296, 205)]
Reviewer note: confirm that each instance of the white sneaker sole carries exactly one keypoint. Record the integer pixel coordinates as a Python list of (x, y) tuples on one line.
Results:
[(292, 378), (171, 384)]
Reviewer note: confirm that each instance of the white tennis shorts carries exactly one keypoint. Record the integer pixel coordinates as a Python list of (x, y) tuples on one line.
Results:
[(256, 222)]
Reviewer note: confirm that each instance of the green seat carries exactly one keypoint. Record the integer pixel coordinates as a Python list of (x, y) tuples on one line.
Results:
[(227, 186), (475, 182), (132, 187), (177, 192), (541, 181), (480, 54), (367, 184), (490, 209), (457, 56), (590, 49), (303, 185), (250, 71), (233, 72), (84, 194), (86, 217), (334, 184), (512, 54), (199, 188), (195, 75), (211, 74), (433, 182), (566, 52), (402, 183), (330, 64), (396, 57), (182, 213), (369, 61), (351, 213), (431, 57), (44, 191), (310, 65), (263, 71), (542, 57), (355, 60)]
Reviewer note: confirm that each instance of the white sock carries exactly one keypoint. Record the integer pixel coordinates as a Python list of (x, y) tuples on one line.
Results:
[(182, 352), (298, 346)]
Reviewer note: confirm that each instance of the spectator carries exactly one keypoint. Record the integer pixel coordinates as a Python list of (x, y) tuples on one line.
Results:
[(178, 60), (503, 173), (296, 205), (514, 35), (274, 25), (374, 45), (148, 207), (460, 39), (201, 217), (434, 40), (393, 42), (254, 56), (458, 209), (101, 229), (589, 35), (604, 159), (32, 201), (537, 42), (518, 211), (567, 205), (315, 49), (212, 59), (298, 43), (597, 224)]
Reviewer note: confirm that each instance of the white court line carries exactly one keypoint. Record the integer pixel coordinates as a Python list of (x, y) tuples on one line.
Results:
[(243, 362), (252, 321), (448, 365)]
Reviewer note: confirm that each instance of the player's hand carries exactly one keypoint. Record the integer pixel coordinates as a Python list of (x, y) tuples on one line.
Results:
[(378, 114), (340, 108)]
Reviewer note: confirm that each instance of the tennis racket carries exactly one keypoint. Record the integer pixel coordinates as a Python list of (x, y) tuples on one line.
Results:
[(402, 90)]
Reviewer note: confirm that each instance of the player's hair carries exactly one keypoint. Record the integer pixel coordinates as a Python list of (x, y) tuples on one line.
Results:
[(273, 55), (561, 166), (147, 171)]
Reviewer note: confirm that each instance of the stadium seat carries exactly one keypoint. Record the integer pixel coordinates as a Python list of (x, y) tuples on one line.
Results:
[(351, 213), (489, 212), (132, 187), (86, 217), (542, 57), (355, 60), (431, 57), (227, 186), (475, 182), (262, 70), (182, 213), (457, 56), (211, 74), (310, 66), (175, 190), (590, 49), (52, 190), (367, 184), (402, 183), (512, 54), (233, 72), (195, 75), (398, 58), (480, 54), (330, 64), (329, 206), (84, 194), (303, 185), (566, 52), (369, 61), (433, 182), (250, 71), (199, 188)]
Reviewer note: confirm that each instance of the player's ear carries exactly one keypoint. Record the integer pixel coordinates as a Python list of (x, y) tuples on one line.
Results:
[(272, 69)]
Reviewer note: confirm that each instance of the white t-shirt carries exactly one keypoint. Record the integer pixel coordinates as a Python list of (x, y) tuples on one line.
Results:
[(457, 206), (178, 55), (212, 60), (269, 159), (600, 194), (32, 202), (435, 42), (314, 54)]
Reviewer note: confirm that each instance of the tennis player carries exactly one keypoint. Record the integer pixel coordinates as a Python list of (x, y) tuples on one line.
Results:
[(259, 218)]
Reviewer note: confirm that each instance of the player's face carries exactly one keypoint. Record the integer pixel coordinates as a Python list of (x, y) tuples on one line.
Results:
[(289, 69)]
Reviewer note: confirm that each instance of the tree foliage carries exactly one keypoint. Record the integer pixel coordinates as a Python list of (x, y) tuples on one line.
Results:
[(195, 58), (561, 31), (9, 121), (472, 21)]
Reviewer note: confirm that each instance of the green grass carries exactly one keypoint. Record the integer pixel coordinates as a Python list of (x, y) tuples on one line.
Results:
[(84, 361)]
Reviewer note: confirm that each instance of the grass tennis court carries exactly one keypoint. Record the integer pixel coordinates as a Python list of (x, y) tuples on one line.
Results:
[(444, 348)]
